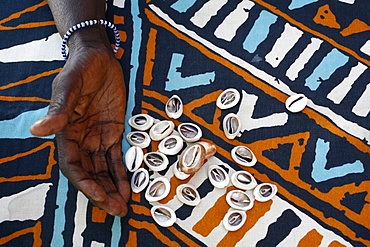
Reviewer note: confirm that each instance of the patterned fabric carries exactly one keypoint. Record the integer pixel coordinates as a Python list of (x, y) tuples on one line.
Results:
[(267, 50)]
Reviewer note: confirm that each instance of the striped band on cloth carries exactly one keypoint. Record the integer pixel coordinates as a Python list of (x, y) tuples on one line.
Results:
[(86, 24)]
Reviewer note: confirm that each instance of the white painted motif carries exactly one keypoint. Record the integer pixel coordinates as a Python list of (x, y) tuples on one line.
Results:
[(227, 29), (208, 10), (304, 57), (283, 45)]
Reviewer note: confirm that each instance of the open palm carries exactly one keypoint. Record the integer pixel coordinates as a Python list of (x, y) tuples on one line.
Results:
[(87, 115)]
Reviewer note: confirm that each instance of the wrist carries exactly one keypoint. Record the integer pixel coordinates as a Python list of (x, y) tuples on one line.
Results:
[(89, 34)]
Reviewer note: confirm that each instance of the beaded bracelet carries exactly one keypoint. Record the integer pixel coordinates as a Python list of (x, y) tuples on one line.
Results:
[(86, 24)]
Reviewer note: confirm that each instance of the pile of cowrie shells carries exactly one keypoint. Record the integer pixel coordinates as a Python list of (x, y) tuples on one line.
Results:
[(147, 129), (189, 161), (241, 199)]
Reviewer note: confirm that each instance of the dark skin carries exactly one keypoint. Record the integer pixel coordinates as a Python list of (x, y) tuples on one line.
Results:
[(87, 109)]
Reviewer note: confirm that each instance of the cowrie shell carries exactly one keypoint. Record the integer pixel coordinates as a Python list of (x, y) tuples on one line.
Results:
[(161, 130), (174, 107), (195, 155), (243, 180), (188, 194), (156, 161), (178, 172), (139, 180), (239, 200), (192, 159), (163, 215), (134, 158), (232, 126), (228, 99), (218, 176), (242, 155), (141, 122), (264, 192), (157, 189), (296, 103), (140, 139), (234, 220), (189, 132), (171, 145)]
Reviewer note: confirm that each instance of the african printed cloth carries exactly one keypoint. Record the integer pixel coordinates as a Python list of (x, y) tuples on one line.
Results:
[(267, 50)]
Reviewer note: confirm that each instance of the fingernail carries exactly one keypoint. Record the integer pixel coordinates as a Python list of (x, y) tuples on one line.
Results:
[(38, 122)]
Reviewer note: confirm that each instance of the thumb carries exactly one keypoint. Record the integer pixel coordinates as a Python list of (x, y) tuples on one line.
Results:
[(65, 93), (49, 125)]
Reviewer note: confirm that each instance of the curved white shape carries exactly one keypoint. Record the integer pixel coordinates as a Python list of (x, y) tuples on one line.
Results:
[(228, 99), (161, 130), (243, 180), (239, 200), (218, 176), (141, 122), (163, 215), (189, 132), (156, 161), (134, 158), (264, 192), (174, 107), (139, 180), (171, 145), (188, 194), (234, 220), (296, 103), (232, 125), (243, 156), (157, 189), (140, 139)]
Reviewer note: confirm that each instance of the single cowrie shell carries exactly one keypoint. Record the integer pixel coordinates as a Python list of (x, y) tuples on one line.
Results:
[(234, 220), (134, 158), (243, 180), (228, 99), (218, 176), (242, 155), (178, 172), (189, 132), (240, 200), (139, 180), (141, 122), (157, 189), (163, 215), (232, 126), (156, 161), (195, 155), (161, 130), (140, 139), (188, 194), (171, 145), (264, 192), (192, 158), (296, 103), (174, 107)]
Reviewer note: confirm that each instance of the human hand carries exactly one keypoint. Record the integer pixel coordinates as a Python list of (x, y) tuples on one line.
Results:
[(86, 113)]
